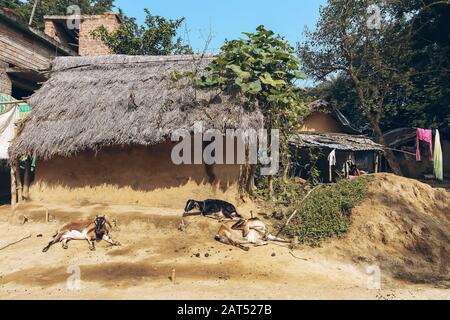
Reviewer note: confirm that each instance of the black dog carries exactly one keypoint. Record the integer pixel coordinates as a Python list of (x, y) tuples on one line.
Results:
[(212, 207)]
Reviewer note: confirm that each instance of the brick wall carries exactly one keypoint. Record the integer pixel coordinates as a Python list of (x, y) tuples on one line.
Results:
[(88, 46), (49, 29), (5, 82)]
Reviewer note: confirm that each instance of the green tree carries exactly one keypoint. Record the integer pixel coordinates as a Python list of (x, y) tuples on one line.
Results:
[(158, 36), (347, 42), (424, 99), (411, 50)]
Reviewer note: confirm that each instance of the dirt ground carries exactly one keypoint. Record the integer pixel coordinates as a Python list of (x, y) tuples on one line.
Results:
[(152, 246)]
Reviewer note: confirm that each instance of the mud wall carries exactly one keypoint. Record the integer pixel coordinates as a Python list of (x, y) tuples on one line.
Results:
[(321, 123), (137, 175)]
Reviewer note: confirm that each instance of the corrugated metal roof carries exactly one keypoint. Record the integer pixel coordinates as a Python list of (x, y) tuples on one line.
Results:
[(336, 141)]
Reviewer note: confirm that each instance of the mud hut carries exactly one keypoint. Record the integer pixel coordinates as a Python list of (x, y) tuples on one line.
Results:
[(100, 131), (325, 130)]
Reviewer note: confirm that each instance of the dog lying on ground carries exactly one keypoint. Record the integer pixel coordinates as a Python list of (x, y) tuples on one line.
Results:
[(251, 231), (216, 208), (84, 230)]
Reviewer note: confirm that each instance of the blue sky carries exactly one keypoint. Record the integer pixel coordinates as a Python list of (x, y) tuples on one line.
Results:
[(226, 19)]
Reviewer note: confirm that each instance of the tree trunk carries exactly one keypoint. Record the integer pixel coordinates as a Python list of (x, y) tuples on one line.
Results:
[(251, 179), (389, 154)]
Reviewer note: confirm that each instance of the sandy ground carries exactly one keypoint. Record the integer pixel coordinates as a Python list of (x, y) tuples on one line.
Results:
[(152, 247)]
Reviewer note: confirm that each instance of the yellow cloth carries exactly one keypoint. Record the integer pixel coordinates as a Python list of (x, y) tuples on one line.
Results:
[(438, 161)]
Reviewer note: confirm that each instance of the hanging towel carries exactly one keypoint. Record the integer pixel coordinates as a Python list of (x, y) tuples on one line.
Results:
[(332, 158), (438, 161), (7, 130), (426, 136)]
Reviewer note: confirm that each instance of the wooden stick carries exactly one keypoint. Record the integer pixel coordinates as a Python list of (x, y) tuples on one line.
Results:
[(13, 243), (32, 13), (47, 216), (173, 276), (377, 162), (295, 212), (26, 180), (12, 102), (13, 185), (18, 183)]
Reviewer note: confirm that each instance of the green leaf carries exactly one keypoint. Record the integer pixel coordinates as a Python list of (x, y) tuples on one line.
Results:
[(252, 87), (239, 72), (266, 78)]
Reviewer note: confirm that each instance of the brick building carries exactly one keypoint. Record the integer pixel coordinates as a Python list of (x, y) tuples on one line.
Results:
[(81, 40), (26, 52)]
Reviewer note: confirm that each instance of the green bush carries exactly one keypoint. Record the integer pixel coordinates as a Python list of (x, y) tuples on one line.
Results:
[(326, 212)]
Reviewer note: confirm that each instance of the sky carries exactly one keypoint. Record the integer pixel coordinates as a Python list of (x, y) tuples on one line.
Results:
[(227, 19)]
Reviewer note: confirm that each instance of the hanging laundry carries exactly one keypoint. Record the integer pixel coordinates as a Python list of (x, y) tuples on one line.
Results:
[(426, 136), (7, 130), (332, 158), (438, 161)]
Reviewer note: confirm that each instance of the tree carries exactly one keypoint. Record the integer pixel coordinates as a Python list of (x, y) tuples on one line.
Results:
[(155, 37), (422, 97), (55, 7), (425, 98), (345, 42), (263, 68)]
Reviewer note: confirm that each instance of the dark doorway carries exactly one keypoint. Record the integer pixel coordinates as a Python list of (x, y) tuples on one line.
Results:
[(5, 183)]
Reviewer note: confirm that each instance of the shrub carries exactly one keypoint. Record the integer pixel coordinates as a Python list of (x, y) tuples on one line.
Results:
[(326, 212)]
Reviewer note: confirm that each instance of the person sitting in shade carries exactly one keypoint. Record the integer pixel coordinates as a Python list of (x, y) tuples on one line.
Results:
[(350, 169)]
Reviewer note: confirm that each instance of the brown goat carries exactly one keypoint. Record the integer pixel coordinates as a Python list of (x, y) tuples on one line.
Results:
[(245, 231), (84, 230)]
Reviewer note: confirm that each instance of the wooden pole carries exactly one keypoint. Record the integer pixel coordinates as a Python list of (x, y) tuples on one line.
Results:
[(377, 162), (32, 12), (13, 185), (173, 276), (26, 179), (18, 182), (12, 102)]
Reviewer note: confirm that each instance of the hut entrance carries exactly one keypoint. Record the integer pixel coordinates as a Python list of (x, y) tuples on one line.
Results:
[(5, 183)]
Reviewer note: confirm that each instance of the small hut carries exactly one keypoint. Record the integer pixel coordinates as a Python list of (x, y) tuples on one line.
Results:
[(100, 131), (325, 130)]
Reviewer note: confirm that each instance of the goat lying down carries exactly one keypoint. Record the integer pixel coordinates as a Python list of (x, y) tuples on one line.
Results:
[(84, 230), (251, 231), (212, 208)]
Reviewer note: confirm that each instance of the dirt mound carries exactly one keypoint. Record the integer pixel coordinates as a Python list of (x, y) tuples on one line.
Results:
[(404, 227)]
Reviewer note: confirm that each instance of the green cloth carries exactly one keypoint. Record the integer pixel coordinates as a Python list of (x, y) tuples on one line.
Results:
[(438, 161), (24, 108)]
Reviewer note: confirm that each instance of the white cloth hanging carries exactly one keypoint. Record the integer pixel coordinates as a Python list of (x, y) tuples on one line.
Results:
[(332, 158), (7, 130)]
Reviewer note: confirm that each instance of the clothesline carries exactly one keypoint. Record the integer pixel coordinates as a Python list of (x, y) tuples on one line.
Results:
[(402, 151)]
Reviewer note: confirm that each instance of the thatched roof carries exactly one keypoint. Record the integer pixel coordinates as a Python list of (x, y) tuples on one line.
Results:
[(336, 141), (94, 102)]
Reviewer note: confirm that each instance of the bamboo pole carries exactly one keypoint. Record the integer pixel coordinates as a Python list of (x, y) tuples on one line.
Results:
[(330, 173), (33, 12), (26, 180), (13, 185), (19, 187), (377, 162), (12, 102)]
